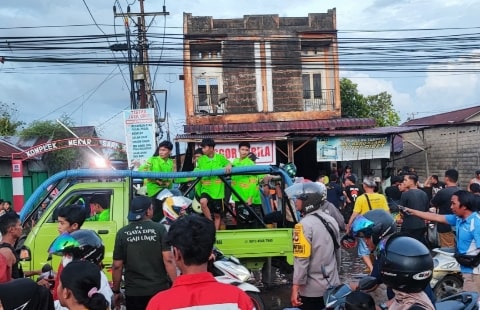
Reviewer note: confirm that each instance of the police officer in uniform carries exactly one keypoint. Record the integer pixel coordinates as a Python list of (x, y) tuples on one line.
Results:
[(315, 243)]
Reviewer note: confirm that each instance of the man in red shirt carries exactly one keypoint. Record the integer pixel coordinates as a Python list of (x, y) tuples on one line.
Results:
[(192, 238)]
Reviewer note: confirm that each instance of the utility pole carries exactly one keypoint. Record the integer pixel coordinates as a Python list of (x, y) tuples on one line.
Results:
[(141, 72)]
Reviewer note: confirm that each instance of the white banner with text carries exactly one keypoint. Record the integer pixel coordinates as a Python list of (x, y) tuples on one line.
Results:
[(139, 135)]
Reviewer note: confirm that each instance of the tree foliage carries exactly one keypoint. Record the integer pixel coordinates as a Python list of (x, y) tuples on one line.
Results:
[(60, 159), (8, 119), (378, 107)]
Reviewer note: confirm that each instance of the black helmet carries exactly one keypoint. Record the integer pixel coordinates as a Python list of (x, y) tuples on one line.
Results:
[(312, 194), (375, 223), (405, 264), (82, 244)]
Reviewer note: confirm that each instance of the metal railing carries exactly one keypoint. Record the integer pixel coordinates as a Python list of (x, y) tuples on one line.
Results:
[(315, 100), (209, 104)]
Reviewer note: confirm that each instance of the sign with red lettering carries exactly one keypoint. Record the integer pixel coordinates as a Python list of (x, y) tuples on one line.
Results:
[(265, 151)]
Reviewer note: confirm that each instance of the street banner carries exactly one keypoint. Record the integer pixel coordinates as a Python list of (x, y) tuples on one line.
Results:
[(265, 151), (139, 135), (353, 148)]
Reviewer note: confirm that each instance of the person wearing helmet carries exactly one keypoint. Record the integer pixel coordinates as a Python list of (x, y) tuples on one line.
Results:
[(368, 201), (159, 162), (406, 266), (375, 227), (315, 243), (81, 245), (212, 191)]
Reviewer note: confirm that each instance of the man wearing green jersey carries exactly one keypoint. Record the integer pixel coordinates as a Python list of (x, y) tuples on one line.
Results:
[(159, 162), (247, 188), (100, 205), (212, 190)]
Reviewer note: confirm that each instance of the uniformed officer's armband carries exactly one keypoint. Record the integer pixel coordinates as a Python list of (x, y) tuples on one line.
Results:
[(301, 246)]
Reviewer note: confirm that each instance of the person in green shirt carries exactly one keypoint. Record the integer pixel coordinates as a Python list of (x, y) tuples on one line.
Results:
[(212, 191), (100, 206), (159, 162), (247, 188)]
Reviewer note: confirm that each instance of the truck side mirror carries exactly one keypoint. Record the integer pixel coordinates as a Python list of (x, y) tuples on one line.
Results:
[(25, 254)]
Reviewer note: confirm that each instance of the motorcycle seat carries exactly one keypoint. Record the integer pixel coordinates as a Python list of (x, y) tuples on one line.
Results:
[(450, 305)]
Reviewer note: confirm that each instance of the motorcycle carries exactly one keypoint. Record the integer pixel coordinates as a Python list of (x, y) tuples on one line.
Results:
[(447, 279), (225, 269), (229, 270), (335, 297)]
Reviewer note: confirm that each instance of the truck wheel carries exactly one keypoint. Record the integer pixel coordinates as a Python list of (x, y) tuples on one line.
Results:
[(448, 286), (256, 300)]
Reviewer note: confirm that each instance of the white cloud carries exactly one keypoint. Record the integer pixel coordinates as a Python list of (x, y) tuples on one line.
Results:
[(368, 85), (446, 90)]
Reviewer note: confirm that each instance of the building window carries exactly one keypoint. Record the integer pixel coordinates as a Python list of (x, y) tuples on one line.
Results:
[(315, 97), (207, 95), (312, 86)]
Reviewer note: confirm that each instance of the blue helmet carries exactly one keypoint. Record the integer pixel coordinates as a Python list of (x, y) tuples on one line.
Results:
[(375, 223)]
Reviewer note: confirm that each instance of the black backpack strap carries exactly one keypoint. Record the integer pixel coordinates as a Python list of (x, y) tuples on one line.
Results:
[(6, 245), (330, 231), (368, 201)]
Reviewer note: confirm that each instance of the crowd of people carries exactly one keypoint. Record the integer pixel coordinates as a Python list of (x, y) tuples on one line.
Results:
[(374, 230), (152, 267)]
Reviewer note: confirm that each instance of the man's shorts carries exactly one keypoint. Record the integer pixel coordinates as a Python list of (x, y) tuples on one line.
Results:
[(363, 249), (214, 205)]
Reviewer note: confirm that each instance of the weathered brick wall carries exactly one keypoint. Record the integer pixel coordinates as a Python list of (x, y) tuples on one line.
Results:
[(287, 76), (454, 147), (239, 76)]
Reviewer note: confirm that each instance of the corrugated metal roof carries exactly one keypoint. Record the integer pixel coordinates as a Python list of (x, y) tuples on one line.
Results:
[(361, 131), (85, 131), (282, 126), (6, 149), (283, 135), (237, 137), (448, 118)]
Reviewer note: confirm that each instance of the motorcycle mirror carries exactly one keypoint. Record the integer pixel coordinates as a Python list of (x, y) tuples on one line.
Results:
[(367, 283)]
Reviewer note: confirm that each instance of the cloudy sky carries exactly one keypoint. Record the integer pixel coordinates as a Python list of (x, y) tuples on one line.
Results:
[(96, 94)]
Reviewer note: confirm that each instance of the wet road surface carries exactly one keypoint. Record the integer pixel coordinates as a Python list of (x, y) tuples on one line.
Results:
[(278, 297)]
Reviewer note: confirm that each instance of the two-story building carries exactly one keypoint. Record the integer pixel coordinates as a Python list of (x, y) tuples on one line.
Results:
[(273, 81)]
